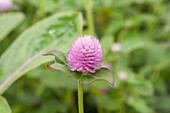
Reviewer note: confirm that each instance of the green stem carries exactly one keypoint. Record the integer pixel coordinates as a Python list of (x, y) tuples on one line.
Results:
[(89, 13), (80, 97)]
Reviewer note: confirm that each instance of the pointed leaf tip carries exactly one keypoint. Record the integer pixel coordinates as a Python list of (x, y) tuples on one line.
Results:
[(103, 74), (4, 106), (60, 57), (52, 52)]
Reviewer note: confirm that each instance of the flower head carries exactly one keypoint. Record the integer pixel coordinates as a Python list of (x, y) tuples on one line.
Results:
[(85, 53), (5, 5)]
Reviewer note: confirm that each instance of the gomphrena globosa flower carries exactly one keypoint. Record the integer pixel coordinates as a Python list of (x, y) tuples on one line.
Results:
[(5, 5), (85, 54)]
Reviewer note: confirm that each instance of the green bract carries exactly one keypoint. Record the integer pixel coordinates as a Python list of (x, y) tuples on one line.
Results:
[(103, 74)]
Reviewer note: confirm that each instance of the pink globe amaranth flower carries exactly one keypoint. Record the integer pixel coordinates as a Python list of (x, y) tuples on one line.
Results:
[(85, 53), (122, 75), (5, 5)]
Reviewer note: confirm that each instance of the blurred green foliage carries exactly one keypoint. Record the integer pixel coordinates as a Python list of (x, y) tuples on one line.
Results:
[(141, 27)]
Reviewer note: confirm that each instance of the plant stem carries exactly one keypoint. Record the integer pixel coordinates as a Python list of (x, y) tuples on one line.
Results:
[(80, 97), (89, 13)]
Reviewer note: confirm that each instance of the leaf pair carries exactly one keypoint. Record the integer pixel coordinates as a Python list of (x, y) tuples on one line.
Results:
[(103, 74)]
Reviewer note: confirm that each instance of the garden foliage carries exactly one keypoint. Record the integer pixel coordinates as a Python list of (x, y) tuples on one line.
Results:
[(140, 59)]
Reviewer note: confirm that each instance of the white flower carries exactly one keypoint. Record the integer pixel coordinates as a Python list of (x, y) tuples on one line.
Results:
[(122, 75), (116, 47)]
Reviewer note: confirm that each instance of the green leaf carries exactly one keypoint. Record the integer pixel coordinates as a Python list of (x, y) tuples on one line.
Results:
[(164, 103), (112, 101), (4, 107), (56, 79), (139, 105), (49, 78), (65, 70), (59, 56), (103, 74), (139, 19), (106, 43), (114, 26), (144, 89), (55, 32), (122, 3), (54, 106), (8, 22), (132, 44), (160, 86), (52, 78)]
